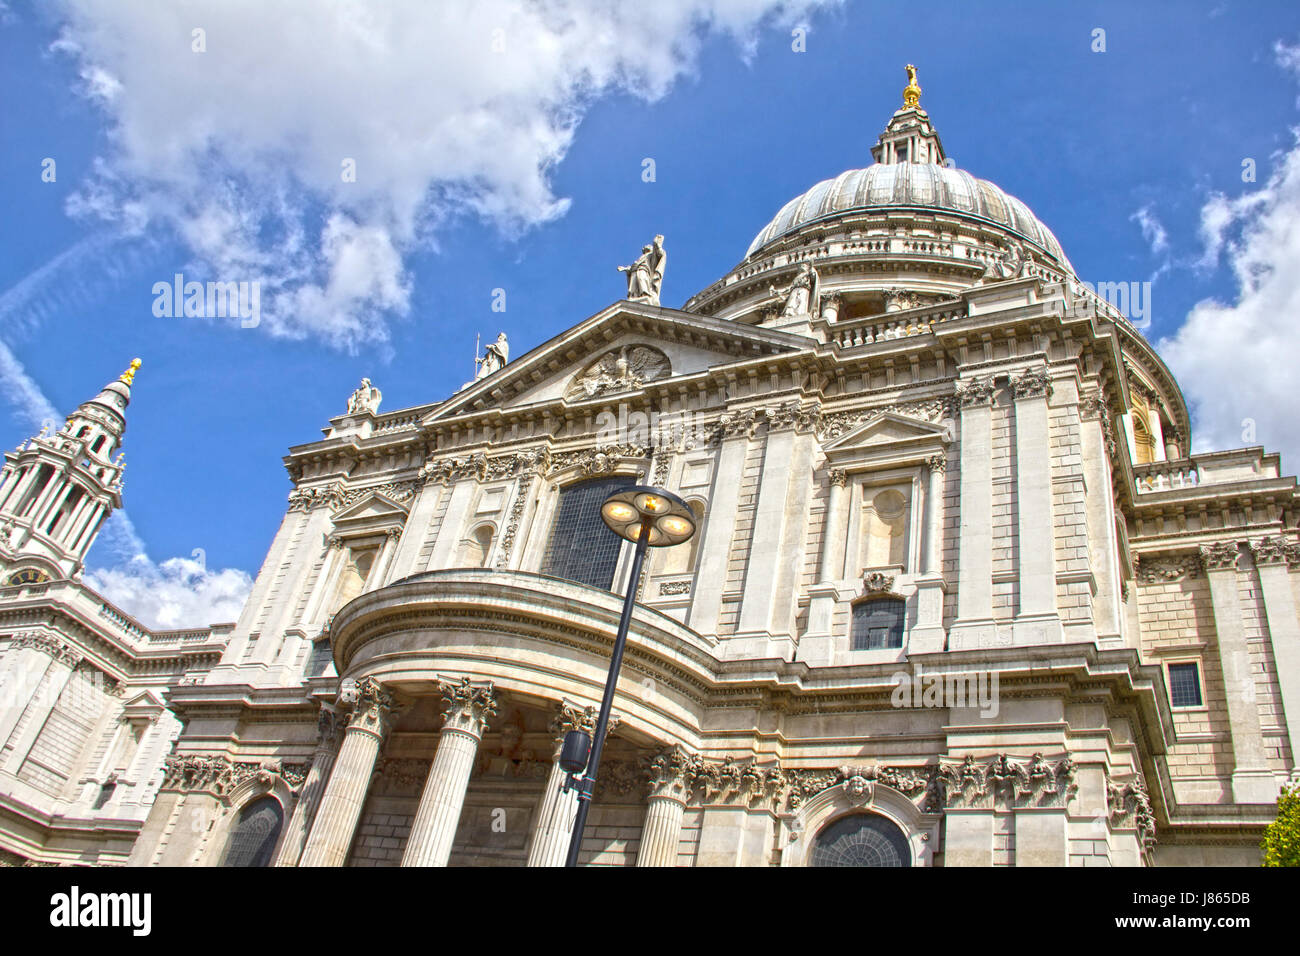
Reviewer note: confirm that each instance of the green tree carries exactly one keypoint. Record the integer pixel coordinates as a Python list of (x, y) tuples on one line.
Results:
[(1281, 843)]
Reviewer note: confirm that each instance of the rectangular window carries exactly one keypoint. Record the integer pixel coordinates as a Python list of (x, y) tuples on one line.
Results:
[(581, 547), (878, 624), (1184, 685)]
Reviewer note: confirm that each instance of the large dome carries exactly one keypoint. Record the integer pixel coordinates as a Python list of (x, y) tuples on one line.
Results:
[(913, 185)]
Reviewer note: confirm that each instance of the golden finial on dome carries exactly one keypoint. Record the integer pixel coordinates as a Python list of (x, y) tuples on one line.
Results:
[(129, 375), (912, 93)]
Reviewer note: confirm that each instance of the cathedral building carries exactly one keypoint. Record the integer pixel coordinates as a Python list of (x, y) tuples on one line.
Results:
[(960, 594)]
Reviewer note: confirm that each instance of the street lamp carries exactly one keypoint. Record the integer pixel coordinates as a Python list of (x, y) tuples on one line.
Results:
[(648, 517)]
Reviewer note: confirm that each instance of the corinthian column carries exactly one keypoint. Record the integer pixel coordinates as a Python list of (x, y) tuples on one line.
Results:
[(330, 725), (345, 795), (554, 827), (670, 775), (468, 708)]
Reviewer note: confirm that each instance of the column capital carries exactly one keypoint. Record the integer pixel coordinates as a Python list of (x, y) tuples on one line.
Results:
[(59, 650), (937, 463), (975, 392), (671, 772), (802, 418), (467, 707), (738, 424), (1221, 556), (839, 477), (1275, 550), (1093, 405), (329, 728), (373, 709), (1032, 383)]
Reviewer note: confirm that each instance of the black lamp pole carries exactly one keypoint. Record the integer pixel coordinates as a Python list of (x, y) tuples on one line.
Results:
[(587, 784)]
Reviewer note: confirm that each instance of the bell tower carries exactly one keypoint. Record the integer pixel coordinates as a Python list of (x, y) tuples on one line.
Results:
[(56, 490)]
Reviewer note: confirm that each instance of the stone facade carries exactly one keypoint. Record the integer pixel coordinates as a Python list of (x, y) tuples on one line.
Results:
[(936, 421)]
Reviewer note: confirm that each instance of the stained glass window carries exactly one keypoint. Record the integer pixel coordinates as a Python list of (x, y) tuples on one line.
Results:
[(878, 624), (581, 548), (255, 834), (863, 839)]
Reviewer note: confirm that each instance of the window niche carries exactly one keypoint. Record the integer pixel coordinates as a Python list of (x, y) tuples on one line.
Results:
[(880, 584)]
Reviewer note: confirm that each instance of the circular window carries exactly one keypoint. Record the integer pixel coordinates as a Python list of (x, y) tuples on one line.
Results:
[(863, 839)]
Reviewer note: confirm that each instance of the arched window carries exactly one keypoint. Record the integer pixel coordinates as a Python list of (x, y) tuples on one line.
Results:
[(1144, 442), (581, 548), (253, 840), (99, 443), (680, 559), (353, 578), (878, 623), (861, 839), (477, 547)]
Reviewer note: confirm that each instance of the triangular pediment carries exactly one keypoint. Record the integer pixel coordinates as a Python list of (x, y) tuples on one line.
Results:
[(142, 704), (372, 507), (890, 428), (619, 350)]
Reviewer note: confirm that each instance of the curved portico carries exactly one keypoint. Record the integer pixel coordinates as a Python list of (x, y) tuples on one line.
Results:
[(460, 646), (535, 637)]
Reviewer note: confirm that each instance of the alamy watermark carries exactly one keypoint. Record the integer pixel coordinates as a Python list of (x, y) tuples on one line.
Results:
[(624, 426), (211, 300), (965, 689), (1132, 299)]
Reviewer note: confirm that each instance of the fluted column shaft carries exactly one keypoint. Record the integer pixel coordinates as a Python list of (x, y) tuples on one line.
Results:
[(345, 795), (555, 814), (661, 832), (468, 710), (313, 789), (665, 807)]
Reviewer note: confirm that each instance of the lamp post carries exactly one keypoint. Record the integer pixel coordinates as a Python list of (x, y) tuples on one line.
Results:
[(648, 517)]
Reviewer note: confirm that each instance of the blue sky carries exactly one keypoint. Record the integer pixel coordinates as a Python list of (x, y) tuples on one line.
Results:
[(521, 170)]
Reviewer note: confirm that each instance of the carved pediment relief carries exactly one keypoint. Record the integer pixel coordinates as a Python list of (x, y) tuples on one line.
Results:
[(373, 514), (891, 429), (619, 370)]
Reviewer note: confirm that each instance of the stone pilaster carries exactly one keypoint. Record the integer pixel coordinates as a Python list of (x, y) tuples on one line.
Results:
[(468, 708), (974, 626), (345, 795), (1274, 558), (1252, 781), (1037, 618), (63, 661), (665, 807), (1103, 541), (330, 726), (766, 625), (734, 431)]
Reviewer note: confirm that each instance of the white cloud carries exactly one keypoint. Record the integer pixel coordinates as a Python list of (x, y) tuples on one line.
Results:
[(29, 403), (1152, 231), (1236, 361), (446, 109), (176, 593)]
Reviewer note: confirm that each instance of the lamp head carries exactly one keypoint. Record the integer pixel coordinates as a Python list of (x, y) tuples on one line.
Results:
[(664, 518)]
